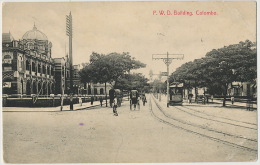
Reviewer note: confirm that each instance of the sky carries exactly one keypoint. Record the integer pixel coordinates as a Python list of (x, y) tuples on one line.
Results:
[(134, 27)]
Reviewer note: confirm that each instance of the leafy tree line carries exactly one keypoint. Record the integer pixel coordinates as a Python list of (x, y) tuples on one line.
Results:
[(114, 69), (219, 68)]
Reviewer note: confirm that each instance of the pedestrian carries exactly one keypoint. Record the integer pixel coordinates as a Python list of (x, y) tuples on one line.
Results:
[(101, 100), (111, 96), (190, 98), (80, 101), (144, 99), (115, 107), (203, 100), (232, 100), (92, 100), (212, 98)]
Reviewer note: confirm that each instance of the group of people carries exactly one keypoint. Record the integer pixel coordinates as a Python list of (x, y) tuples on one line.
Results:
[(116, 99)]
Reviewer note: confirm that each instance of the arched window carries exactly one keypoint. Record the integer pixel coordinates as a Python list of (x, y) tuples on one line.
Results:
[(39, 68), (7, 57), (20, 62), (44, 89), (39, 88), (49, 89), (33, 67), (28, 88), (27, 65), (48, 70), (34, 91), (101, 91), (43, 69)]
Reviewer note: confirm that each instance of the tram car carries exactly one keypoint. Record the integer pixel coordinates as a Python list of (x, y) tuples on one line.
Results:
[(176, 94)]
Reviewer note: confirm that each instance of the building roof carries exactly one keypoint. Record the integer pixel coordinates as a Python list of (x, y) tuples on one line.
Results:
[(34, 34), (7, 37)]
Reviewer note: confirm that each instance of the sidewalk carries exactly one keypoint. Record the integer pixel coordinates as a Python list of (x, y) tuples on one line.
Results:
[(218, 102), (236, 104), (52, 109)]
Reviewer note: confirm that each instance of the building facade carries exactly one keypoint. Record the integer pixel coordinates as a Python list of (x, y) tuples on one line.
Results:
[(247, 89), (28, 68), (27, 65)]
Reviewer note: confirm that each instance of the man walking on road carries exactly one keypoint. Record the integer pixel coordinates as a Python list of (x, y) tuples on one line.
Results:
[(144, 99), (190, 98), (92, 100), (101, 100), (232, 100), (111, 96)]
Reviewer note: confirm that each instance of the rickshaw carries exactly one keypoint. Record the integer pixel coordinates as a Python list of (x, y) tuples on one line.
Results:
[(134, 99)]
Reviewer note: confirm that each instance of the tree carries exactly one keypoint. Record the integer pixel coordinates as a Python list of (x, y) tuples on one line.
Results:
[(159, 86), (108, 68), (131, 81), (221, 67)]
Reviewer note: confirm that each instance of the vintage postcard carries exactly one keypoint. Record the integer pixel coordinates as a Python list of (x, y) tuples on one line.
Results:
[(129, 82)]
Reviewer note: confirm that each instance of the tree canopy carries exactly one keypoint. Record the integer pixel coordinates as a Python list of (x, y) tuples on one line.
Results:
[(108, 68), (131, 81), (220, 67)]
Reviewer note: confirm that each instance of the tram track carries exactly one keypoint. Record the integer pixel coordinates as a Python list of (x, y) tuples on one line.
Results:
[(180, 124), (237, 125), (243, 122)]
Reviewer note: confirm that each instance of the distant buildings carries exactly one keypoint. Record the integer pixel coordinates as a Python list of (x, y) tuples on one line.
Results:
[(248, 89)]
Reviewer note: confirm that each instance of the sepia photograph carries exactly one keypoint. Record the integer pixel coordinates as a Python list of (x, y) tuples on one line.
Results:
[(129, 82)]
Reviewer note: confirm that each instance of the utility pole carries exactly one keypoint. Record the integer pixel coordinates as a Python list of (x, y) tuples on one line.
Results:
[(167, 59), (69, 33)]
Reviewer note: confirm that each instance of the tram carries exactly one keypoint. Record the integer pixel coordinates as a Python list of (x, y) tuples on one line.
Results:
[(176, 93)]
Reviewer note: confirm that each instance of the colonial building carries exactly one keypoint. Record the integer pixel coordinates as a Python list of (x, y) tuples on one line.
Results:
[(28, 67), (60, 75), (243, 89)]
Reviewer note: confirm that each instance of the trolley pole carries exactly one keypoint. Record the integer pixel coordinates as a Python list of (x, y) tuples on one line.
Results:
[(167, 59), (69, 33)]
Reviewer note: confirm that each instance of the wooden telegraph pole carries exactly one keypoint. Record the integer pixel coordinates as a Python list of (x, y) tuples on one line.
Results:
[(69, 33), (167, 59)]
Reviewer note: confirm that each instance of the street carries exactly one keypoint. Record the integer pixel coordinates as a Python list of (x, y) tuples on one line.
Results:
[(153, 134)]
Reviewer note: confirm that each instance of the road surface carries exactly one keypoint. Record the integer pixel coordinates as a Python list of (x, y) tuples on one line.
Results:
[(153, 134)]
